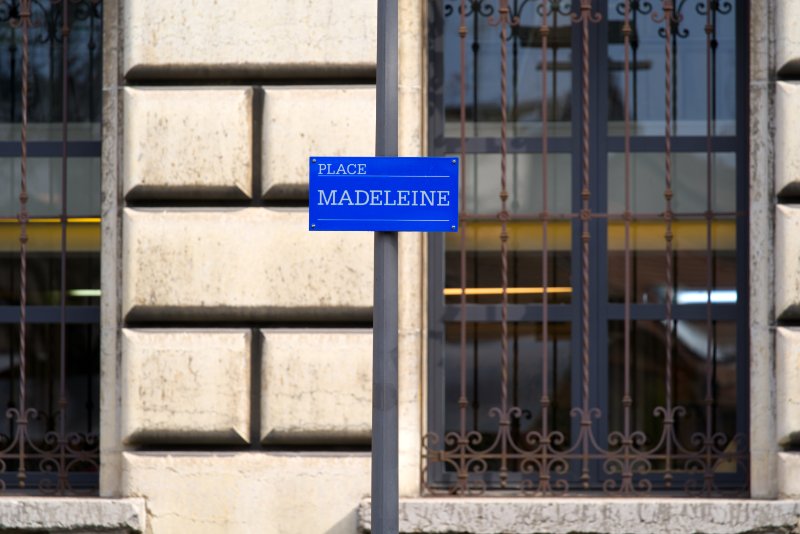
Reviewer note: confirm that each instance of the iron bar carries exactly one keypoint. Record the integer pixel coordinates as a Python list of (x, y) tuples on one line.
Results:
[(583, 18), (544, 478), (463, 401), (668, 18), (708, 401), (22, 412), (504, 414), (62, 389), (478, 9), (627, 401)]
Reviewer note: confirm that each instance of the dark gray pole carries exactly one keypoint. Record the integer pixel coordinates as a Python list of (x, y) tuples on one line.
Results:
[(385, 483)]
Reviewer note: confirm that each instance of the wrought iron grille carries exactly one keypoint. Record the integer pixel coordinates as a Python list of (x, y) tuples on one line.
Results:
[(588, 323), (50, 80)]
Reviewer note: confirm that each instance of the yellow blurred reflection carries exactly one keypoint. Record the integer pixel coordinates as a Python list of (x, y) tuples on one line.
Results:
[(645, 235), (44, 235), (454, 291)]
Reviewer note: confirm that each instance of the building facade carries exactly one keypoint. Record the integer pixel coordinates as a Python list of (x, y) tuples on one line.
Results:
[(616, 318)]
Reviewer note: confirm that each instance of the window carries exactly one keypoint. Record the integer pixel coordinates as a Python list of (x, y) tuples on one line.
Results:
[(589, 322), (49, 243)]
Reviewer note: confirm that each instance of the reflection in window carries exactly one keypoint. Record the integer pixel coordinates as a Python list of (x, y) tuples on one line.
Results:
[(45, 76), (647, 56), (593, 339), (61, 439), (525, 56)]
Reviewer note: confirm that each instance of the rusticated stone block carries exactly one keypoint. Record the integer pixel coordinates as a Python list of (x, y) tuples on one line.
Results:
[(306, 121), (242, 264), (188, 143), (787, 258), (787, 37), (316, 386), (787, 386), (249, 38), (186, 386), (787, 138), (269, 493), (789, 475)]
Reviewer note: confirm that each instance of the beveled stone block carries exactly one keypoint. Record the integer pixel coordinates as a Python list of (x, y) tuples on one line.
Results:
[(787, 385), (249, 39), (185, 386), (242, 264), (789, 475), (316, 386), (306, 121), (787, 258), (248, 492), (787, 37), (787, 138), (188, 143)]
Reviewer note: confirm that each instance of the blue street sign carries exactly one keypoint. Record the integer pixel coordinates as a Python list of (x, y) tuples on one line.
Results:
[(383, 194)]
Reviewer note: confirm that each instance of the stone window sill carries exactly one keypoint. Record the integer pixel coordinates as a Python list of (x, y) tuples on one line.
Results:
[(72, 514), (590, 515)]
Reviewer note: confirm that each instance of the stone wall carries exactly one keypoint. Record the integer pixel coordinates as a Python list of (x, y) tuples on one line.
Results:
[(236, 345), (763, 449), (786, 89)]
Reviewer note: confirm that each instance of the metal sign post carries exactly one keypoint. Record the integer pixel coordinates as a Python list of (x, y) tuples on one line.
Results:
[(384, 194), (385, 480)]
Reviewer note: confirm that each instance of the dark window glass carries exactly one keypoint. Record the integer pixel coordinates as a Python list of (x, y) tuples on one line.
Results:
[(59, 375), (482, 51), (588, 325)]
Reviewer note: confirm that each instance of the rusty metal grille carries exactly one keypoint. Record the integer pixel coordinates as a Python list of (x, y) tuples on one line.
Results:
[(588, 322), (50, 82)]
